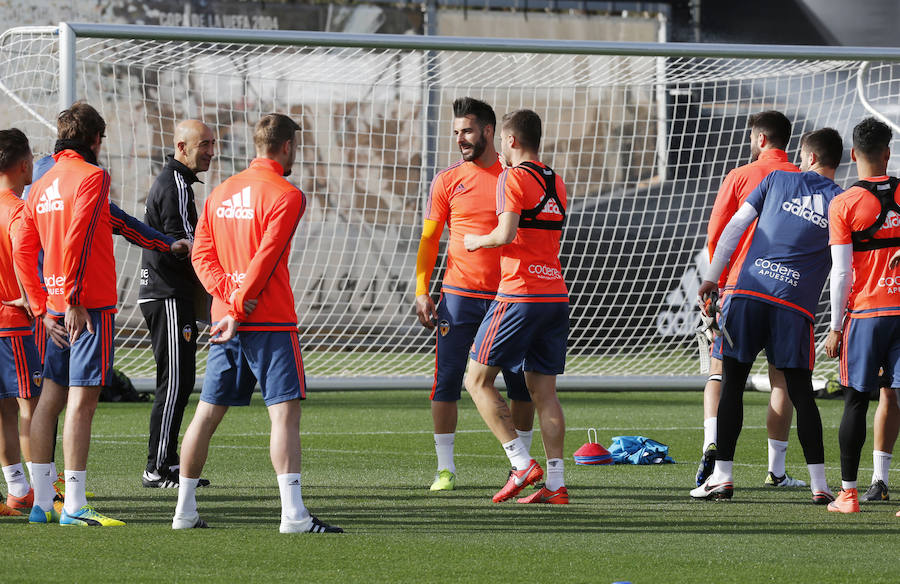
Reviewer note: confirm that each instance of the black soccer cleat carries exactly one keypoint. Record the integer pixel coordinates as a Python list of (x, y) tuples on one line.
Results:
[(707, 464), (319, 526), (878, 491), (165, 479)]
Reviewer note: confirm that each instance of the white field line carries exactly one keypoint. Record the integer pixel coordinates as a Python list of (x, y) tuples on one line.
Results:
[(619, 429)]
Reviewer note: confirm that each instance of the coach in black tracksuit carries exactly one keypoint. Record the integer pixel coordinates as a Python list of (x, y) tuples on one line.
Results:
[(171, 296)]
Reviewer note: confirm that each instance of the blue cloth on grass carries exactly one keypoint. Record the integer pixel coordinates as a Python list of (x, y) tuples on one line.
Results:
[(638, 450)]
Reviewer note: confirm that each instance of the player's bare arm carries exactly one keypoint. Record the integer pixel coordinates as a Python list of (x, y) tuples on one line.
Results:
[(504, 233)]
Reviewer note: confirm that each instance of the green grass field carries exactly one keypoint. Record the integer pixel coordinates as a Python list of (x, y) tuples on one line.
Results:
[(368, 458)]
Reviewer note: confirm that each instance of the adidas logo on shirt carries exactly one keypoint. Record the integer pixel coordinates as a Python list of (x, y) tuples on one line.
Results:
[(809, 207), (551, 208), (459, 187), (891, 221), (237, 207), (50, 199)]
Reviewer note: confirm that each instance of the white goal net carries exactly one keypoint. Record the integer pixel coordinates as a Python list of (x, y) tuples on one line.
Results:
[(641, 141)]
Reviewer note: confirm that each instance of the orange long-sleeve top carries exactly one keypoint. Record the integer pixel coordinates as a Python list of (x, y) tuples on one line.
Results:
[(67, 213), (13, 320), (242, 244), (735, 189), (876, 288)]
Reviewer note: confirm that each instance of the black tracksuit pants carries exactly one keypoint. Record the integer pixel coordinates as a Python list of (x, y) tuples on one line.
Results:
[(173, 332)]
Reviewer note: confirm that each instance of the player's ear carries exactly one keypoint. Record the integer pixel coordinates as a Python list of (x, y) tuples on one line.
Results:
[(853, 154), (761, 140)]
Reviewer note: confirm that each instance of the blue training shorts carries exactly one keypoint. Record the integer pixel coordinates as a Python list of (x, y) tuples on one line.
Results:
[(458, 320), (524, 335), (20, 367), (88, 361), (271, 357), (869, 345), (785, 334)]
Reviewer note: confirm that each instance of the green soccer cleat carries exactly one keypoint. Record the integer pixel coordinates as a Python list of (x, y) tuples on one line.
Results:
[(87, 517), (444, 480)]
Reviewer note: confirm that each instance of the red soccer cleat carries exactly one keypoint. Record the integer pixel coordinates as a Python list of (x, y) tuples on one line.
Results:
[(518, 480), (558, 497)]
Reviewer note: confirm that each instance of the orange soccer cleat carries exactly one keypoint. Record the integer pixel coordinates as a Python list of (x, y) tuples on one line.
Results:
[(518, 480), (7, 511), (847, 502), (558, 497), (24, 503)]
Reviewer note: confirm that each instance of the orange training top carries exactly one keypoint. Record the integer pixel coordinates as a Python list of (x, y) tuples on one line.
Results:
[(735, 189), (13, 320), (67, 213), (529, 266), (242, 244), (876, 288), (462, 196)]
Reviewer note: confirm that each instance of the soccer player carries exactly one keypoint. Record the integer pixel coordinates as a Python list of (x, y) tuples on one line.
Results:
[(463, 197), (20, 366), (241, 250), (169, 289), (865, 229), (774, 300), (527, 324), (886, 425), (770, 132), (133, 231), (68, 216)]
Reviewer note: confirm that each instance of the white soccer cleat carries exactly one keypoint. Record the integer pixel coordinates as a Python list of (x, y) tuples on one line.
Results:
[(309, 525), (188, 522), (783, 481)]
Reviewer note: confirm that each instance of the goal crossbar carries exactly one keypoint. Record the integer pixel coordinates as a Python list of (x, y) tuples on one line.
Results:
[(483, 44)]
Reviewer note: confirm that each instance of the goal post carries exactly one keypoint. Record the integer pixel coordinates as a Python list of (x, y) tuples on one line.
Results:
[(642, 133)]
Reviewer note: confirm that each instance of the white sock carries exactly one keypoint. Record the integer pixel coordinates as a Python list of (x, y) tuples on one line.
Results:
[(517, 453), (526, 436), (777, 456), (53, 470), (42, 479), (30, 471), (709, 432), (847, 485), (817, 482), (292, 507), (16, 483), (75, 498), (554, 474), (882, 462), (187, 496), (722, 473), (443, 445)]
